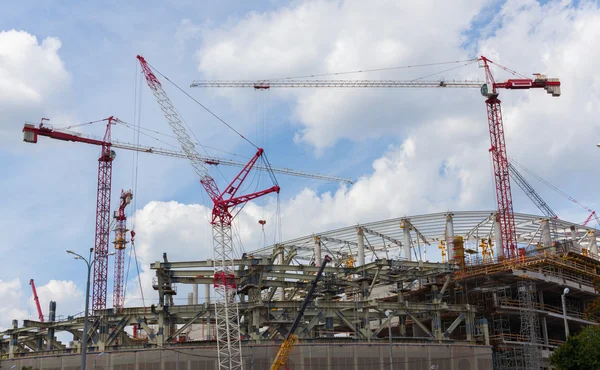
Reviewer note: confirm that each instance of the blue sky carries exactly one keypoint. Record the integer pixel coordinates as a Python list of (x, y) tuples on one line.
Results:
[(411, 152)]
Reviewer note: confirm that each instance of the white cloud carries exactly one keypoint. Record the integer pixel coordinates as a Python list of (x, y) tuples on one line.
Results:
[(68, 297), (329, 37), (29, 70), (10, 296)]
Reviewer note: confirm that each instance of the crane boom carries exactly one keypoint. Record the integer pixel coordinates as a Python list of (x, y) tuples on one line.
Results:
[(531, 193), (37, 301), (489, 90), (291, 339), (31, 134), (267, 84)]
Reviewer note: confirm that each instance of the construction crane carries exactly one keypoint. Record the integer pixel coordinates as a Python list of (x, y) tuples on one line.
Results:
[(229, 347), (37, 301), (31, 134), (120, 243), (291, 339), (489, 90)]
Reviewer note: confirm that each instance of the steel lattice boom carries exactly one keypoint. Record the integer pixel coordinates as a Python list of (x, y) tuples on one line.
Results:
[(226, 309)]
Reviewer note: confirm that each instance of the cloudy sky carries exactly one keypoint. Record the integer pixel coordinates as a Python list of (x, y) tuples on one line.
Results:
[(410, 151)]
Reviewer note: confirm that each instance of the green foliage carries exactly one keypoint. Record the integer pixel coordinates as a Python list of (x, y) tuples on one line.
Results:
[(579, 352)]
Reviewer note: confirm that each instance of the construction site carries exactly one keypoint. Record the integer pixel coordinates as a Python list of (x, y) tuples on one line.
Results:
[(455, 290)]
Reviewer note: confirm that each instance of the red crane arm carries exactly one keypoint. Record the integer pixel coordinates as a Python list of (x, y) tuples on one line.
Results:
[(37, 301)]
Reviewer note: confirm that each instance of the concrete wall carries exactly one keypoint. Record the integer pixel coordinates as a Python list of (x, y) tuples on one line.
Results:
[(350, 355)]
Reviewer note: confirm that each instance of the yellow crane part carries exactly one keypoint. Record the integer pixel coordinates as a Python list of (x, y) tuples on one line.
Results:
[(284, 352)]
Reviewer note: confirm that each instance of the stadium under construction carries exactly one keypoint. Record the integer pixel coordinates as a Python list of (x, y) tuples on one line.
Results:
[(380, 303)]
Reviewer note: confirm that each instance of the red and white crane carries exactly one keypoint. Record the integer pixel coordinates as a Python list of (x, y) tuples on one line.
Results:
[(37, 301), (489, 90), (31, 134), (229, 348), (120, 244)]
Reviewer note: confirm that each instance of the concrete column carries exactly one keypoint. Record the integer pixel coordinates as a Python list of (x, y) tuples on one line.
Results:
[(195, 294), (14, 340), (402, 326), (574, 237), (449, 237), (486, 331), (361, 246), (207, 301), (498, 238), (544, 329), (593, 242), (317, 251), (282, 289), (51, 318), (405, 226), (546, 236), (190, 298)]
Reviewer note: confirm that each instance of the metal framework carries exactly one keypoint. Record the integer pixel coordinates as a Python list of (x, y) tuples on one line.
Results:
[(430, 302), (120, 243), (102, 222)]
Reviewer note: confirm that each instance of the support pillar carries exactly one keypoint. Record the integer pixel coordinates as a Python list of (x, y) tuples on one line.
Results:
[(574, 237), (593, 243), (14, 340), (486, 331), (51, 318), (317, 251), (402, 326), (190, 298), (450, 237), (361, 246), (498, 238), (195, 294), (282, 289), (546, 235), (209, 312), (405, 226)]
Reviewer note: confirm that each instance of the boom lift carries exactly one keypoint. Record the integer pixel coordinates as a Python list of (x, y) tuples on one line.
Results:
[(291, 339), (37, 301)]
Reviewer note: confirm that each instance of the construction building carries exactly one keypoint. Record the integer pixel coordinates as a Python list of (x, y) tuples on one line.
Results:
[(379, 301)]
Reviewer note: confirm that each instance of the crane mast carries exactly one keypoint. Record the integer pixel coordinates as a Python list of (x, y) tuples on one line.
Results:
[(489, 90), (229, 347), (107, 155), (120, 243)]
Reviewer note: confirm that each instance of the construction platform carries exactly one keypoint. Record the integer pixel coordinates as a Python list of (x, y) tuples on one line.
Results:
[(380, 296)]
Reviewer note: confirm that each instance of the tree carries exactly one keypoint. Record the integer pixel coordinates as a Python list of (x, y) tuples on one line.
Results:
[(579, 351)]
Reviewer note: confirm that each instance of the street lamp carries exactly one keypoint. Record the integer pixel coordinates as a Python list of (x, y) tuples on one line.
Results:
[(89, 262), (95, 358), (564, 307), (388, 313)]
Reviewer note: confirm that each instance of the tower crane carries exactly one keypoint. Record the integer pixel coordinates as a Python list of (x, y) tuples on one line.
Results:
[(31, 133), (229, 348), (489, 89), (120, 244)]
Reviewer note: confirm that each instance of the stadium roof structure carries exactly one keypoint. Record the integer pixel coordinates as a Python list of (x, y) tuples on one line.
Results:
[(384, 239)]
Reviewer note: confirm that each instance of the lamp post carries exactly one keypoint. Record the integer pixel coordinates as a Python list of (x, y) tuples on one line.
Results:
[(95, 358), (89, 262), (388, 313), (564, 307)]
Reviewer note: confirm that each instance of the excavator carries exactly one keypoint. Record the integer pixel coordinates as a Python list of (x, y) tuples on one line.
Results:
[(291, 339)]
